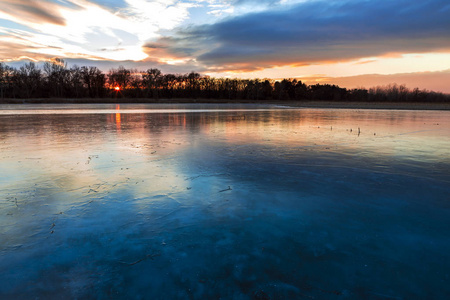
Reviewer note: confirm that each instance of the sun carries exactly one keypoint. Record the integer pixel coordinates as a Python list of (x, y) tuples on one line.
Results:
[(117, 88)]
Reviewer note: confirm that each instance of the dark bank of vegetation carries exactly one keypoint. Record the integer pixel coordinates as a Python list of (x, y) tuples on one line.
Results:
[(56, 81)]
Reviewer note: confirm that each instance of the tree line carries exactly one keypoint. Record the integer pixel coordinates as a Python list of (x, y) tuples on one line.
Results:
[(56, 80)]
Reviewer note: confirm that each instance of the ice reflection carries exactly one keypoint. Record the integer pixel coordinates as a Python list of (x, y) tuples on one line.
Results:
[(179, 202), (118, 119)]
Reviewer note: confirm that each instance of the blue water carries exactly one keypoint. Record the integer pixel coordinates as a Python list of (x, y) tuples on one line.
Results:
[(223, 202)]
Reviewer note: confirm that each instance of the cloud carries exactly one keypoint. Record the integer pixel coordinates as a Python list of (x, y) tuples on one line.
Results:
[(319, 31), (22, 45), (434, 81), (248, 36), (31, 10), (81, 28)]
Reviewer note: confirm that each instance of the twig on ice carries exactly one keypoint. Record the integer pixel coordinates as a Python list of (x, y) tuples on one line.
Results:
[(228, 189)]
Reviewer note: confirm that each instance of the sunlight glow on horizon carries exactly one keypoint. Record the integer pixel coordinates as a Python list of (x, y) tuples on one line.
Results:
[(406, 63), (168, 35)]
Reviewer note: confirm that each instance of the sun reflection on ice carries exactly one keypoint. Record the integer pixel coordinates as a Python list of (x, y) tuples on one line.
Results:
[(118, 119)]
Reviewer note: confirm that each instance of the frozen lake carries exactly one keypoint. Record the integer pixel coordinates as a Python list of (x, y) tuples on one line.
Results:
[(223, 201)]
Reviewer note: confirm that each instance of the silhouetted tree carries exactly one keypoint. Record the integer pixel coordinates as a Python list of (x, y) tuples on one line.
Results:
[(57, 77), (135, 85), (76, 87), (358, 95), (151, 80), (301, 91), (94, 80), (27, 80), (6, 77), (119, 78), (57, 80), (265, 90)]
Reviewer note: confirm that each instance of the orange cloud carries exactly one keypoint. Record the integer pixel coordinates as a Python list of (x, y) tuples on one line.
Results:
[(435, 81), (32, 10)]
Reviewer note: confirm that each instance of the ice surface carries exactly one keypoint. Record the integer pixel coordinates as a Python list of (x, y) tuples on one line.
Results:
[(223, 201)]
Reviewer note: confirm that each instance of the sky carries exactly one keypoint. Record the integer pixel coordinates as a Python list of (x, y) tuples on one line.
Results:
[(353, 43)]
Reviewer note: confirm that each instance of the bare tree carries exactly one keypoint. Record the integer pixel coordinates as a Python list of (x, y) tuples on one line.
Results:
[(94, 80), (151, 80), (27, 80), (119, 78), (6, 75), (57, 77), (76, 88)]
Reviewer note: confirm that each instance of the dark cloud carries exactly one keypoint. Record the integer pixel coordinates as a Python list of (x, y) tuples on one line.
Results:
[(169, 47), (319, 31), (32, 10)]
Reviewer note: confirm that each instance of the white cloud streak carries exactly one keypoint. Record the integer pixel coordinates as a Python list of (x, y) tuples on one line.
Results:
[(88, 29)]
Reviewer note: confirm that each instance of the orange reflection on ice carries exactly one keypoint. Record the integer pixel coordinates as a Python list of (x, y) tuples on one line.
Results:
[(118, 120)]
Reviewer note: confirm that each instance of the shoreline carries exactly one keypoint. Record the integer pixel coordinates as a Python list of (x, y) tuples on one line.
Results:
[(287, 103), (369, 105)]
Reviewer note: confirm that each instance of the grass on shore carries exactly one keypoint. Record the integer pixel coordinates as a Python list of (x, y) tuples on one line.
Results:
[(293, 103)]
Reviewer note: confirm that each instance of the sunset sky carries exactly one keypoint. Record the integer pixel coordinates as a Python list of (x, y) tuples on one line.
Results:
[(353, 43)]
